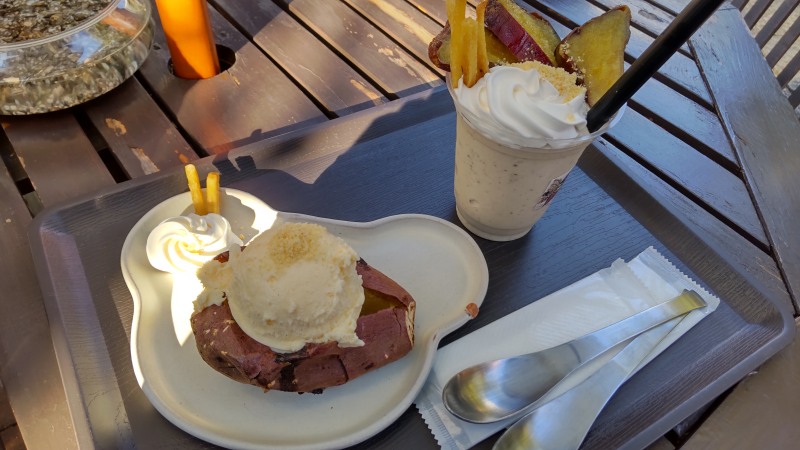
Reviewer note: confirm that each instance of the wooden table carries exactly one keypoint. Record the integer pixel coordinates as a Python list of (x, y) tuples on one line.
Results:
[(710, 137)]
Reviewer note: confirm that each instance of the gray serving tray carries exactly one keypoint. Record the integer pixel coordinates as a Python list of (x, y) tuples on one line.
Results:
[(398, 159)]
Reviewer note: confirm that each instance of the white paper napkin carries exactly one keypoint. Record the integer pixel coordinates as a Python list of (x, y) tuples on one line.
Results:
[(603, 298)]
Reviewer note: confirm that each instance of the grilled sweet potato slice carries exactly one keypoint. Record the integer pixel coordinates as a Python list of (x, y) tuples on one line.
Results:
[(439, 49), (529, 36), (386, 325), (596, 51)]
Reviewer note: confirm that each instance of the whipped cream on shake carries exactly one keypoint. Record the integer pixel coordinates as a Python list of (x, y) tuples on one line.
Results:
[(524, 105)]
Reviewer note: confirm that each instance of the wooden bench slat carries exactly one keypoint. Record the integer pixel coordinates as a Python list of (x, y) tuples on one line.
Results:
[(794, 98), (432, 8), (776, 20), (140, 136), (789, 71), (403, 23), (59, 159), (721, 190), (249, 102), (673, 7), (756, 11), (785, 43), (697, 125), (650, 19), (282, 38), (740, 4), (385, 63)]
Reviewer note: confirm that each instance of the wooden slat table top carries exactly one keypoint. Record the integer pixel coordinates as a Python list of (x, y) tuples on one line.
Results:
[(363, 45), (282, 38), (137, 132), (36, 394), (52, 148), (724, 160), (770, 152), (249, 102)]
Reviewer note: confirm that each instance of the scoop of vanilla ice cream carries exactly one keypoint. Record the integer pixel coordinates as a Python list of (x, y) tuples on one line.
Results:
[(295, 283)]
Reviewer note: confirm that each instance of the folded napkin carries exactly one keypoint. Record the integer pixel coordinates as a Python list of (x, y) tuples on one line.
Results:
[(601, 299)]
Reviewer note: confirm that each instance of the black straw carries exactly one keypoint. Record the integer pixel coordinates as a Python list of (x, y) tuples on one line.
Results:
[(646, 65)]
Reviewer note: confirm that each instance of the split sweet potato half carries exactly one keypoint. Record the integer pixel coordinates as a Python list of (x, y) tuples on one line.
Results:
[(386, 325)]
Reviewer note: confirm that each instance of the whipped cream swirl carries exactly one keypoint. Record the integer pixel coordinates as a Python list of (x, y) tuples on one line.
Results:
[(519, 107), (183, 244)]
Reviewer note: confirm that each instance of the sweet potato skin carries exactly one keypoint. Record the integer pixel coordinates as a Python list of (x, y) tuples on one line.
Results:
[(387, 335), (441, 61), (439, 50), (511, 33)]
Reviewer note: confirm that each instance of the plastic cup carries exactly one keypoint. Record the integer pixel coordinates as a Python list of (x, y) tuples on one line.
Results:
[(501, 188)]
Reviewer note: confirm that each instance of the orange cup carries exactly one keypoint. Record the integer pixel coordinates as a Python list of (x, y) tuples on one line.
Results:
[(187, 27)]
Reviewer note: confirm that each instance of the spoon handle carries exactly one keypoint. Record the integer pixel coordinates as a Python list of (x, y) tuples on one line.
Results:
[(564, 422), (592, 345)]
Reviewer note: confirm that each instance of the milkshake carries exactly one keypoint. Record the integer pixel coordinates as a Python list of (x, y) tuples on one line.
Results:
[(520, 130), (521, 96)]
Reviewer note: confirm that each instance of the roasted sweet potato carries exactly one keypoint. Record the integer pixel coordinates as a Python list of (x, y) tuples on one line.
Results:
[(439, 49), (529, 36), (596, 51), (386, 325)]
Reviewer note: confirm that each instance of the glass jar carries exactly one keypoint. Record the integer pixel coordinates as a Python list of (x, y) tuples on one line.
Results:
[(64, 69)]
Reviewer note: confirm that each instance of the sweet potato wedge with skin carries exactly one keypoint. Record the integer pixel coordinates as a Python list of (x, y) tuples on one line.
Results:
[(528, 36), (439, 50), (596, 51), (386, 326)]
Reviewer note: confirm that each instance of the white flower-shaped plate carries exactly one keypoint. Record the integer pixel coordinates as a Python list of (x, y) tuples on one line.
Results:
[(437, 262)]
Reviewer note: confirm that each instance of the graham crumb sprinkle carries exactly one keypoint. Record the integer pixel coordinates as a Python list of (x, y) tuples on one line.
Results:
[(565, 83)]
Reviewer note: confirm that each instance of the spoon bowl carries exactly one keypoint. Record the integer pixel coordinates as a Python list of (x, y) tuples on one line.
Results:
[(564, 422)]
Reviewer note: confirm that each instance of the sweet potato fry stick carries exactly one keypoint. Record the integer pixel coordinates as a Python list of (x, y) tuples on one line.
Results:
[(456, 55), (450, 9), (483, 57), (455, 15), (194, 187), (465, 61), (212, 192), (471, 59)]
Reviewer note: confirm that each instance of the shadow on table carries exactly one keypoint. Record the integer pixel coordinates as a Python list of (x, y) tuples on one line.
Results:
[(361, 168)]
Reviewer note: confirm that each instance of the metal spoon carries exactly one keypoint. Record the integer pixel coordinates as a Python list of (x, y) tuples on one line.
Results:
[(562, 423), (496, 390)]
